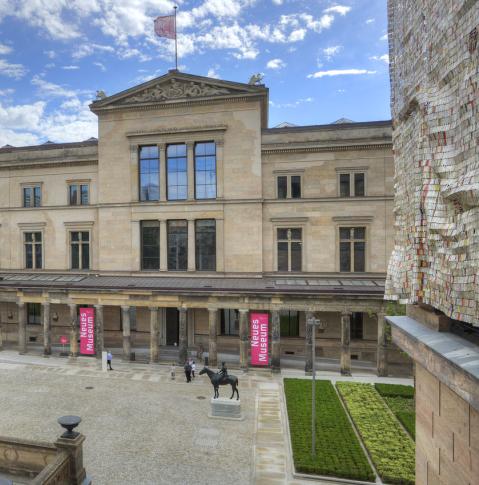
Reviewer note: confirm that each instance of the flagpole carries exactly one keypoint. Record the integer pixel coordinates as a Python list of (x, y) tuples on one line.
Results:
[(176, 42)]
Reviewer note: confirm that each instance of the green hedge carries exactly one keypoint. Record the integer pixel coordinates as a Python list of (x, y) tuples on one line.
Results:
[(394, 390), (338, 452), (391, 450), (408, 420)]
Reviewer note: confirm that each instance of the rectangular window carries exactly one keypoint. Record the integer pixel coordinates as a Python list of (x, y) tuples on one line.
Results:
[(289, 249), (205, 170), (34, 313), (282, 187), (205, 240), (149, 173), (33, 250), (295, 187), (289, 323), (352, 184), (356, 327), (177, 168), (352, 249), (150, 245), (229, 322), (80, 249), (177, 245), (78, 194), (32, 196)]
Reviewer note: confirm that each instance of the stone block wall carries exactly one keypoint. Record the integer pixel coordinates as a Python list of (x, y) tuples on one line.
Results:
[(447, 434)]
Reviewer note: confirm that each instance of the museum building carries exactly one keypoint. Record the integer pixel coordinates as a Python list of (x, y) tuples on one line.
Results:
[(187, 214)]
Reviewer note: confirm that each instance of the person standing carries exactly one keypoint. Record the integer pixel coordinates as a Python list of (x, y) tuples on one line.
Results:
[(188, 371), (193, 369), (108, 360)]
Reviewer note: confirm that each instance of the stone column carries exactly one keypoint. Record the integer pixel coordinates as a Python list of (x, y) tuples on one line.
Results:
[(212, 351), (275, 341), (191, 170), (162, 317), (22, 328), (191, 246), (99, 331), (244, 338), (47, 330), (345, 343), (154, 336), (308, 345), (73, 330), (163, 246), (382, 365), (183, 337), (125, 320)]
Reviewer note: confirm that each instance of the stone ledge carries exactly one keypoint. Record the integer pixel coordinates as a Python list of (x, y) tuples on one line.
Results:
[(451, 359)]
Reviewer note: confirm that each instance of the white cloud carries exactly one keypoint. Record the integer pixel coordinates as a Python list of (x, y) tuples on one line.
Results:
[(278, 2), (6, 92), (5, 49), (84, 50), (50, 54), (384, 58), (384, 37), (275, 64), (100, 65), (70, 68), (340, 72), (340, 9), (330, 52), (21, 117), (213, 72), (370, 21), (16, 71), (48, 89), (293, 104)]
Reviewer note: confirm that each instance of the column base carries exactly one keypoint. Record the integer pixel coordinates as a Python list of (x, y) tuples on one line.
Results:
[(345, 372), (276, 370)]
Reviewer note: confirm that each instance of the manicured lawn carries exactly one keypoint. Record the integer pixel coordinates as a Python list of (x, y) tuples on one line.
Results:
[(338, 452), (391, 449), (400, 399)]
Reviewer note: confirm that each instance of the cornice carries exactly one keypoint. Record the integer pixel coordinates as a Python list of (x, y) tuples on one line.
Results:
[(173, 131), (19, 165), (282, 148)]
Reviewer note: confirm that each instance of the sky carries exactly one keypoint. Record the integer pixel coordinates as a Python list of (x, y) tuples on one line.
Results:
[(322, 60)]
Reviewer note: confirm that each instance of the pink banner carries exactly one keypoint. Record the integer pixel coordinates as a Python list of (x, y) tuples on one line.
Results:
[(87, 331), (259, 338)]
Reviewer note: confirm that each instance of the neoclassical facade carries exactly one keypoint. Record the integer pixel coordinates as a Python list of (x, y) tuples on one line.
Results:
[(188, 213)]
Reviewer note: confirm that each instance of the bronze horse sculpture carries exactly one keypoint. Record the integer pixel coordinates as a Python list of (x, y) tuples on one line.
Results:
[(218, 380)]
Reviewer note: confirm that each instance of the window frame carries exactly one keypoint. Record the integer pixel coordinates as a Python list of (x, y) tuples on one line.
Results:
[(196, 245), (352, 175), (356, 323), (32, 186), (167, 158), (282, 314), (33, 305), (289, 241), (289, 181), (223, 331), (80, 252), (158, 159), (33, 244), (150, 223), (352, 241), (79, 184), (195, 171), (168, 244)]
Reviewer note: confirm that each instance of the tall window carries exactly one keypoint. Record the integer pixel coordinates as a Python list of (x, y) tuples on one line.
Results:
[(356, 327), (32, 196), (78, 194), (289, 249), (352, 249), (34, 313), (177, 245), (229, 322), (150, 245), (149, 168), (80, 249), (205, 170), (289, 323), (351, 184), (177, 168), (33, 250), (205, 239), (288, 186)]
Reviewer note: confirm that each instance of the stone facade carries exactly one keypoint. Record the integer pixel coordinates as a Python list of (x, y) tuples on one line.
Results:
[(181, 108)]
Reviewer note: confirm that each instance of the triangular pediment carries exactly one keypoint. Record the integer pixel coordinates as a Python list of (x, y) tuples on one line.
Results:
[(177, 87)]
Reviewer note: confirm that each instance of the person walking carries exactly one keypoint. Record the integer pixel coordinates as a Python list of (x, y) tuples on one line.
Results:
[(193, 369), (108, 360), (188, 371)]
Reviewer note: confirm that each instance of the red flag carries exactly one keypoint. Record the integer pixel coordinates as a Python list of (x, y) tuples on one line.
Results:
[(165, 26)]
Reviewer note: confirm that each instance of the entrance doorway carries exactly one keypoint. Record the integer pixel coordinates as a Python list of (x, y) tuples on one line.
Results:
[(172, 326)]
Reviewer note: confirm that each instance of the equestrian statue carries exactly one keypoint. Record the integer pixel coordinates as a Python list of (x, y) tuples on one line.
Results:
[(221, 378)]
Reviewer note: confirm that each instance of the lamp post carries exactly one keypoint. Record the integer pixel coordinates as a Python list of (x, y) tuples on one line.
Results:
[(315, 323)]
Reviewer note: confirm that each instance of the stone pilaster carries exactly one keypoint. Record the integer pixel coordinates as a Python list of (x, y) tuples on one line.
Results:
[(22, 328), (212, 351), (125, 320), (73, 330), (382, 365), (191, 246), (162, 155), (154, 335), (163, 246), (183, 337), (346, 343), (275, 341), (191, 170), (99, 331), (244, 338), (47, 329), (308, 345)]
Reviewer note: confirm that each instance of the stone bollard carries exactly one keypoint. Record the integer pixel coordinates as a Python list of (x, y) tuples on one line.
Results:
[(71, 442), (173, 372)]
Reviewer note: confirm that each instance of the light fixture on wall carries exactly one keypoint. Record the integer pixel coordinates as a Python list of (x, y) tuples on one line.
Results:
[(55, 316)]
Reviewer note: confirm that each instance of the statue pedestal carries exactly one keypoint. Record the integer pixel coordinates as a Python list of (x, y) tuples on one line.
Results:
[(223, 408)]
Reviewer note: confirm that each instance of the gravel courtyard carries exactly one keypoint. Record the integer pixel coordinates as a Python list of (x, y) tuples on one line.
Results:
[(140, 427)]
